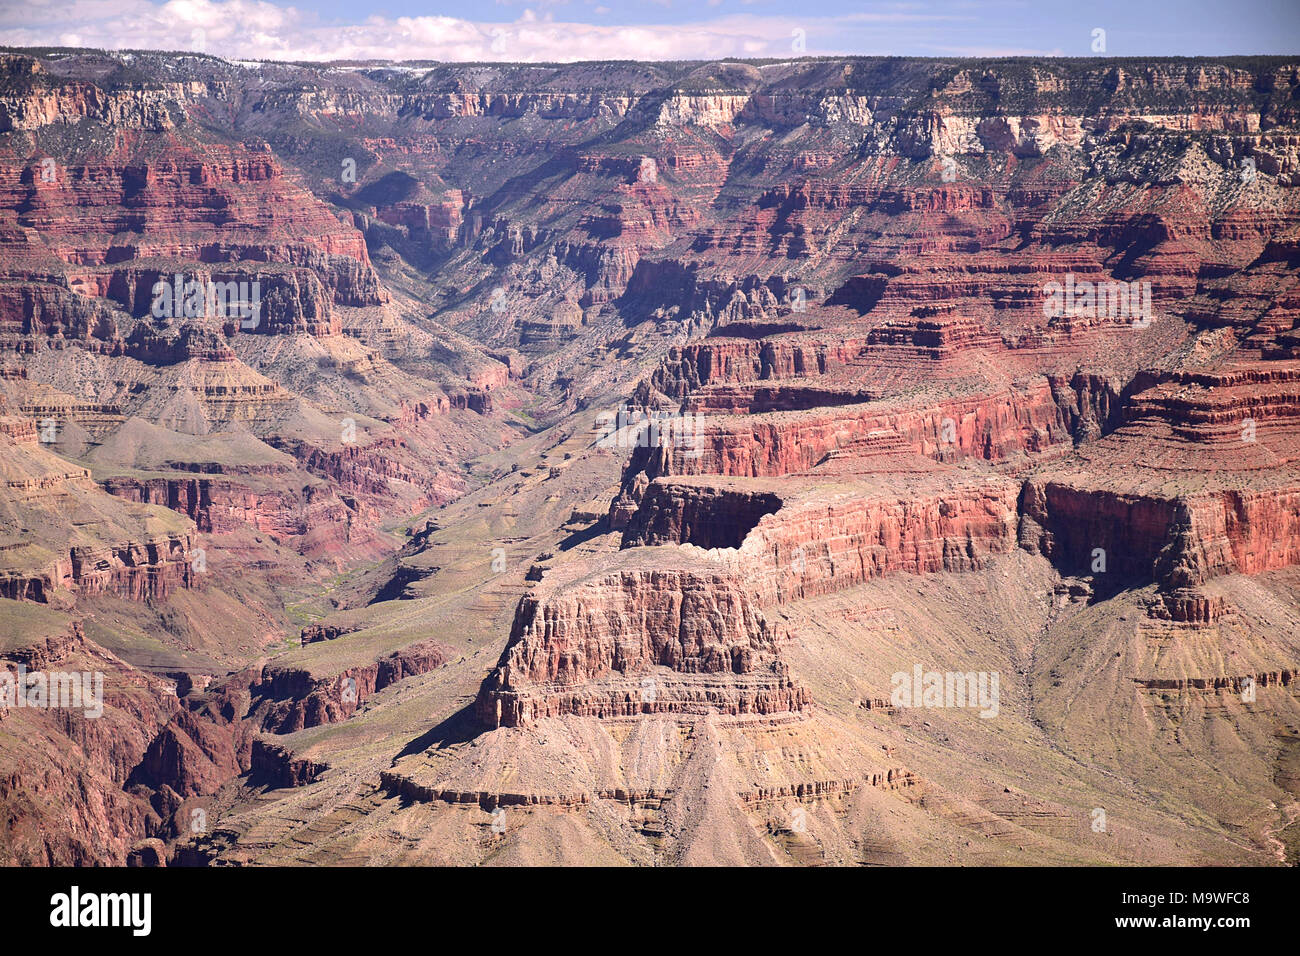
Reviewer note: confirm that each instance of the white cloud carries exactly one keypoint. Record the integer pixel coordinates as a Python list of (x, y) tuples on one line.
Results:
[(255, 29)]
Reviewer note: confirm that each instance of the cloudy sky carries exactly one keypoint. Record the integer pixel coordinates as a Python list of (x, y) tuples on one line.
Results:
[(562, 30)]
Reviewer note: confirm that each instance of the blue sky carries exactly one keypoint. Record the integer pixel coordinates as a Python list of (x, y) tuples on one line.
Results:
[(535, 30)]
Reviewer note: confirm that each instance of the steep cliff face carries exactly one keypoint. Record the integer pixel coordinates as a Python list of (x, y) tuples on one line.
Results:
[(204, 206), (705, 516), (176, 306), (798, 539), (312, 518), (816, 423), (579, 647), (948, 523), (639, 642), (711, 196), (1198, 482)]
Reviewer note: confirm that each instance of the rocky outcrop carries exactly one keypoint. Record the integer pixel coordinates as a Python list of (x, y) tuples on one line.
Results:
[(64, 797), (213, 737), (279, 766), (702, 515), (1199, 481), (145, 570), (310, 517), (289, 699), (192, 756), (639, 642), (1234, 684), (814, 538), (835, 276)]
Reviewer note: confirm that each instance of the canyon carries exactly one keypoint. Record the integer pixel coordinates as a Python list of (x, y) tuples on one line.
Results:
[(605, 439)]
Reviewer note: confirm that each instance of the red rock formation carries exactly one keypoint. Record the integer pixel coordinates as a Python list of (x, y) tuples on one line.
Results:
[(310, 517), (277, 764), (639, 642), (703, 515), (62, 796), (293, 699), (191, 755), (1200, 481), (111, 547), (203, 207), (213, 738), (850, 260)]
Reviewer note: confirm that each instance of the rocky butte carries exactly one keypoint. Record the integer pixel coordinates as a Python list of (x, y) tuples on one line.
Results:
[(611, 434)]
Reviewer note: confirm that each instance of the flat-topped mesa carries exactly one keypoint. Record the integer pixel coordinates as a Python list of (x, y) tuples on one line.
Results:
[(990, 426), (639, 641), (801, 538), (595, 644)]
